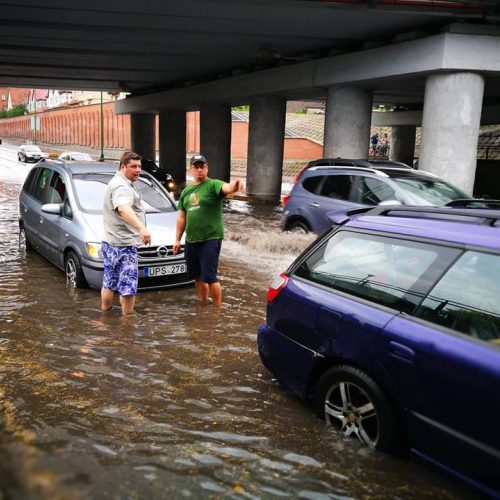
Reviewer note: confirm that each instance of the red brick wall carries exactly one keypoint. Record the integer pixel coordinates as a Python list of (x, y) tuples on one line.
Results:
[(80, 126)]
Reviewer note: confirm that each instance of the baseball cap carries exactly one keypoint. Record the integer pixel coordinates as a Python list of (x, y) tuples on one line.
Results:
[(197, 159)]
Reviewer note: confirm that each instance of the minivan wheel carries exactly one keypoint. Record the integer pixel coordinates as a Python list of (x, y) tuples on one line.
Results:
[(354, 404), (74, 274), (24, 244), (298, 226)]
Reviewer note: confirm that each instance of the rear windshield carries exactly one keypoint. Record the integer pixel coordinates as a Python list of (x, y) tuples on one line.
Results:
[(90, 189), (427, 189)]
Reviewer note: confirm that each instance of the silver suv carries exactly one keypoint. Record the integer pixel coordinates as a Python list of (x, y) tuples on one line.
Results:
[(323, 189), (60, 216)]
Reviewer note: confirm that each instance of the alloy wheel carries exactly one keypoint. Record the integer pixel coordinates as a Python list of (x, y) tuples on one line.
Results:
[(350, 409)]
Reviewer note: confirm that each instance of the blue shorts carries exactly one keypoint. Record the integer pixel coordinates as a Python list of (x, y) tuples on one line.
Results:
[(121, 272), (203, 259)]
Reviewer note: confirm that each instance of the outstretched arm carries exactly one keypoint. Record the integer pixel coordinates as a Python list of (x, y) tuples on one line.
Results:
[(129, 216), (232, 187)]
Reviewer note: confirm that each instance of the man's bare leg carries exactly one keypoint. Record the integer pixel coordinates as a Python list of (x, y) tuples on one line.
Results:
[(106, 299), (215, 293), (127, 302), (201, 290)]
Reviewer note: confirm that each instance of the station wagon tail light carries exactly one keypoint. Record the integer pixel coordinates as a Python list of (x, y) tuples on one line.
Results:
[(276, 286), (94, 250)]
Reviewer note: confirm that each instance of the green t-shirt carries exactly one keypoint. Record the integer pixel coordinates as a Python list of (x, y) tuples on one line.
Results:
[(203, 206)]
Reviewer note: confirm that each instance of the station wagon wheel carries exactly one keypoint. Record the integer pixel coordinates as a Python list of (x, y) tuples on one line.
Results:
[(354, 404), (74, 274), (299, 226)]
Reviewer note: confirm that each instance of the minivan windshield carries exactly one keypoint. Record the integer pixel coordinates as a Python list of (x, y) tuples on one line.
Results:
[(90, 189), (432, 191)]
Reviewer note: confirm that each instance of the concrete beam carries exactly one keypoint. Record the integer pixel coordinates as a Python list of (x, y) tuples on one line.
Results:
[(371, 68)]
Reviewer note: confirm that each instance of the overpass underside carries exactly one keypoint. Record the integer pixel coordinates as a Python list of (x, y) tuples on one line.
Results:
[(447, 83)]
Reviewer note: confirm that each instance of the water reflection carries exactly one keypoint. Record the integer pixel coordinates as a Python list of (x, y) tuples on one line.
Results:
[(172, 402)]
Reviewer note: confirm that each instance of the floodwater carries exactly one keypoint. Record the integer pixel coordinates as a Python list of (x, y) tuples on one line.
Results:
[(174, 402)]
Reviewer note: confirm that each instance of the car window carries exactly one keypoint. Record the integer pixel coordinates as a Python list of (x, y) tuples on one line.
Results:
[(90, 190), (466, 298), (430, 191), (41, 183), (337, 186), (56, 190), (372, 191), (388, 271), (311, 183), (30, 180)]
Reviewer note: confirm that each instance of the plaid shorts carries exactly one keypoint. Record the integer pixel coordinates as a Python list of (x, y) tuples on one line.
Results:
[(121, 272)]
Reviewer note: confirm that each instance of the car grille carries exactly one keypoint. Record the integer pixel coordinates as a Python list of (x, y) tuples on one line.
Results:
[(150, 254)]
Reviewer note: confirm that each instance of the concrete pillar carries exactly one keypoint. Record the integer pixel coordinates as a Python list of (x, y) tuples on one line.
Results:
[(172, 139), (142, 134), (347, 123), (265, 146), (215, 139), (450, 127), (403, 143)]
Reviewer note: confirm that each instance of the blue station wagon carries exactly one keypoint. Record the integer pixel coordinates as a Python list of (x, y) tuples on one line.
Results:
[(390, 325)]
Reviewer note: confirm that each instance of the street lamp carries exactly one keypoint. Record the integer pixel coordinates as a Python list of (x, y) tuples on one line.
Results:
[(102, 132)]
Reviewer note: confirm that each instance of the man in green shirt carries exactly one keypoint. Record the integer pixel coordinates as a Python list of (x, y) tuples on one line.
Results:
[(200, 215)]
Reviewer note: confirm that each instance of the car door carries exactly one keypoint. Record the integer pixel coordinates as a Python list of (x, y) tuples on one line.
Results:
[(30, 206), (332, 193), (446, 361), (54, 233)]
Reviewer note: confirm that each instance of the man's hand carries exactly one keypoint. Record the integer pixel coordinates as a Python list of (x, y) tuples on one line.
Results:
[(176, 247), (145, 236), (233, 187)]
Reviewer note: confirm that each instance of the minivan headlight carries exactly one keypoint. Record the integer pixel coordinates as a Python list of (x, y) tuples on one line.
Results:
[(94, 250)]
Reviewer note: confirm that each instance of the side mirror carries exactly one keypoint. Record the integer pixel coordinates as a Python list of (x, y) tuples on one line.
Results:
[(52, 208)]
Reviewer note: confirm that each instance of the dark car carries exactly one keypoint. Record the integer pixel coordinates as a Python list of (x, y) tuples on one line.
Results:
[(30, 153), (160, 174), (390, 324), (60, 216), (322, 189)]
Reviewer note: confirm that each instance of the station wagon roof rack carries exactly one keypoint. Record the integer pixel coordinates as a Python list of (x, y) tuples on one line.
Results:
[(474, 203), (477, 215)]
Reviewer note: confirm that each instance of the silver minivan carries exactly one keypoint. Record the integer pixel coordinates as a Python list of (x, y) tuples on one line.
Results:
[(60, 216)]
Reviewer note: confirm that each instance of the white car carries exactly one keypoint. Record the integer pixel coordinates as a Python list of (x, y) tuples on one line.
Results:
[(75, 156), (30, 152)]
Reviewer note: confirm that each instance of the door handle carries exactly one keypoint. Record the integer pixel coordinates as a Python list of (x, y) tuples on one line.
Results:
[(41, 220), (401, 351), (314, 204)]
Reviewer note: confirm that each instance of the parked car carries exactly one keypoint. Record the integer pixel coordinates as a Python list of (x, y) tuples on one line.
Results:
[(322, 189), (390, 324), (60, 216), (75, 156), (30, 153)]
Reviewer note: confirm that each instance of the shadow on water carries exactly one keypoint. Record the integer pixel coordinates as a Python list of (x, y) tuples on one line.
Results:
[(172, 402)]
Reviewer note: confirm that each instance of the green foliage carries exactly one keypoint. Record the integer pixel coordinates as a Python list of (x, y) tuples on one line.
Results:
[(18, 110), (241, 108)]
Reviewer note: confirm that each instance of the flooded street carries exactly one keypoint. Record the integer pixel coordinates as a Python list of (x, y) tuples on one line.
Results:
[(172, 402)]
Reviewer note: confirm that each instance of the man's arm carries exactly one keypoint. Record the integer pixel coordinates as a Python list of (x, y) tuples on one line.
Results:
[(232, 187), (179, 230), (129, 216)]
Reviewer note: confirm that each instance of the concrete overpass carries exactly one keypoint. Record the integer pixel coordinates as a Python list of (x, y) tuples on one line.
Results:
[(437, 62)]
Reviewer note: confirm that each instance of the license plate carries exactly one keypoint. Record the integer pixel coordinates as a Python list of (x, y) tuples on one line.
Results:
[(150, 272)]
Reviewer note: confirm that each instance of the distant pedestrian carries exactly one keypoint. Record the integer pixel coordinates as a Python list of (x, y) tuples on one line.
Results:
[(200, 216), (373, 144), (125, 229)]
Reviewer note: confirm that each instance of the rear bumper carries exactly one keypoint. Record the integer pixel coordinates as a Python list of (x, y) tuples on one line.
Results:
[(290, 362)]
